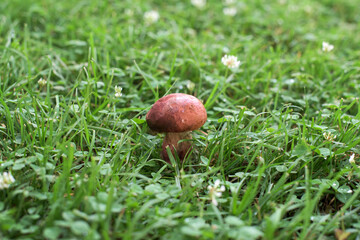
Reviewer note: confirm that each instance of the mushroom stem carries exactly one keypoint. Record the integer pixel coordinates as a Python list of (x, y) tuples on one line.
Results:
[(172, 140)]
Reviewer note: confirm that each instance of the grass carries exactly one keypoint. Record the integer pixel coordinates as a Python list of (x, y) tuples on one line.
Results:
[(87, 166)]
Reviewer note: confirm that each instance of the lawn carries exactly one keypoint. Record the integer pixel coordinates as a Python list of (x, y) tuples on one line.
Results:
[(277, 158)]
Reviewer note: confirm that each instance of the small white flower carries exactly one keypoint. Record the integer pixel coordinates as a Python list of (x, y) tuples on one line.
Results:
[(329, 137), (42, 82), (352, 158), (118, 91), (230, 11), (230, 61), (5, 180), (151, 17), (215, 191), (349, 191), (198, 3), (327, 47)]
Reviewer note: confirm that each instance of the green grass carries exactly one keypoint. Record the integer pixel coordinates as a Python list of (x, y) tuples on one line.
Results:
[(87, 166)]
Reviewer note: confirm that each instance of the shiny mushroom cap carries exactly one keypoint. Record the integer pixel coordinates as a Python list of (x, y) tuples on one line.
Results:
[(176, 112)]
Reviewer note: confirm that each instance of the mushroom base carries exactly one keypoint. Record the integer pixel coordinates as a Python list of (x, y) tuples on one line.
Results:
[(172, 140)]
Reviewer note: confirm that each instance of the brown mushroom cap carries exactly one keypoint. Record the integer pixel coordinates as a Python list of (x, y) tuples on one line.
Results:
[(176, 112)]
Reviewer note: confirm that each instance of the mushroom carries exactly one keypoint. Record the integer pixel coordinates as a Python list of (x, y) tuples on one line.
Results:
[(176, 115)]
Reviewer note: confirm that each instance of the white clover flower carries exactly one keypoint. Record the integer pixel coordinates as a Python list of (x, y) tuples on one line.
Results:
[(352, 158), (198, 3), (118, 91), (329, 137), (230, 11), (5, 180), (327, 47), (42, 82), (230, 61), (151, 17), (215, 191)]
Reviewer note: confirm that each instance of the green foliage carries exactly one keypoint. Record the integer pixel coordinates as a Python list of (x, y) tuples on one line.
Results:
[(280, 130)]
